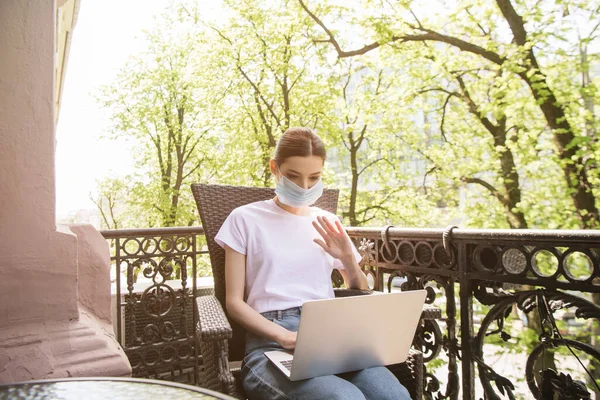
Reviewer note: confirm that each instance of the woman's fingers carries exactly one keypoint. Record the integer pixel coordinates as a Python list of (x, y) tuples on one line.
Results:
[(320, 230), (322, 224), (330, 232), (327, 225), (321, 243), (339, 226)]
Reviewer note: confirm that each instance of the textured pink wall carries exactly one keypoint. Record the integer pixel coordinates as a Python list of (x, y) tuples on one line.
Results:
[(93, 259), (44, 331), (37, 263)]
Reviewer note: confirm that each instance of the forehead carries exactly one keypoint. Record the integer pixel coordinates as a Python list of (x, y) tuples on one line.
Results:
[(303, 165)]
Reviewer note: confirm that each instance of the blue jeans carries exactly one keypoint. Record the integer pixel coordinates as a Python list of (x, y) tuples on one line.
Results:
[(262, 380)]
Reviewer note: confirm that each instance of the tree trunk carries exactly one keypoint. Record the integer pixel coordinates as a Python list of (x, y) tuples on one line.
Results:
[(354, 185), (572, 162), (510, 179)]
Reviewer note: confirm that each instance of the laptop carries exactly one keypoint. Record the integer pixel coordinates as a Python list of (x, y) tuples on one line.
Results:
[(351, 333)]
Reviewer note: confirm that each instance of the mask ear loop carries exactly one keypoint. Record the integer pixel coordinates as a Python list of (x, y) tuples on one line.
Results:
[(278, 170)]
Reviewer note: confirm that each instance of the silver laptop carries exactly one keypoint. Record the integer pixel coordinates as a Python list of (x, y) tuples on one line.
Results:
[(352, 333)]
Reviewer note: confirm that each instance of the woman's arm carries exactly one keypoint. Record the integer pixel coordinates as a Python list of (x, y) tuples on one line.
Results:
[(239, 310), (353, 276), (336, 242)]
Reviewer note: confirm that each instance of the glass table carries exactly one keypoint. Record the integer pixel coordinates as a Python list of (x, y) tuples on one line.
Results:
[(106, 388)]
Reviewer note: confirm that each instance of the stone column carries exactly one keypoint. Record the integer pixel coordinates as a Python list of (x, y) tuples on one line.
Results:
[(48, 328)]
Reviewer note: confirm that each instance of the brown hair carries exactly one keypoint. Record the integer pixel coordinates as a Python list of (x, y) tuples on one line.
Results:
[(300, 142)]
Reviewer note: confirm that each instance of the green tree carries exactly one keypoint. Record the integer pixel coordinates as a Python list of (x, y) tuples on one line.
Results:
[(368, 156), (112, 193), (275, 80), (162, 99), (529, 25)]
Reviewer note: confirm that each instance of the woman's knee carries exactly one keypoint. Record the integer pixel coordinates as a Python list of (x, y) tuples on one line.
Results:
[(259, 386), (327, 387), (261, 380), (378, 383)]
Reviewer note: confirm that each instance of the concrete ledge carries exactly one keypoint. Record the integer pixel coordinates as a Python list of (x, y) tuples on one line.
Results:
[(83, 347)]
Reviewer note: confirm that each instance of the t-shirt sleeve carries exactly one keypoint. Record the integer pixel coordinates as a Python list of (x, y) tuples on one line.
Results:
[(337, 264), (233, 233)]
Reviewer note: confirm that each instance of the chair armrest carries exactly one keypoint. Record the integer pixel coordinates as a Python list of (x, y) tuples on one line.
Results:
[(212, 333), (351, 292), (430, 311), (411, 373), (212, 321)]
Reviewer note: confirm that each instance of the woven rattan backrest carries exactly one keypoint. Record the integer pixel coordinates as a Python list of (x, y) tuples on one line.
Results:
[(215, 203)]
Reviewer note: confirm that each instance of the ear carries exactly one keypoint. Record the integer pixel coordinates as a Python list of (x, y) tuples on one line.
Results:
[(273, 167)]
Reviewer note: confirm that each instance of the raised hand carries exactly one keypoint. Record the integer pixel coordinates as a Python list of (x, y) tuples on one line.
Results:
[(335, 241)]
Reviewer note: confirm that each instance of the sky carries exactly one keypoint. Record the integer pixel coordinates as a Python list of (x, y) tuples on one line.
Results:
[(106, 34)]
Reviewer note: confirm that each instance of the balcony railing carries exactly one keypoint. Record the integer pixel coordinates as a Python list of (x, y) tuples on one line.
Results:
[(504, 276), (156, 280), (474, 269)]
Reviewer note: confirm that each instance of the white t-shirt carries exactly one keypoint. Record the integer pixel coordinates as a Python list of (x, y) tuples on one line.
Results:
[(284, 267)]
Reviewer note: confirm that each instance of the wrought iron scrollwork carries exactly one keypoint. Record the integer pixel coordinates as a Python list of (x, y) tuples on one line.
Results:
[(159, 322), (528, 301), (429, 339), (468, 266), (552, 382)]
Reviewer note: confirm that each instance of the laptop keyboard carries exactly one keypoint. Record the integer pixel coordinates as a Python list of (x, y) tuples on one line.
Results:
[(287, 364)]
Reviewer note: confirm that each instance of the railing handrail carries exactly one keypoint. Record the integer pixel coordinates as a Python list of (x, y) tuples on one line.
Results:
[(565, 236), (174, 230), (569, 236)]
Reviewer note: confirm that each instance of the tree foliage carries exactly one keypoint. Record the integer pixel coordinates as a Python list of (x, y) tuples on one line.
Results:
[(497, 54), (472, 112)]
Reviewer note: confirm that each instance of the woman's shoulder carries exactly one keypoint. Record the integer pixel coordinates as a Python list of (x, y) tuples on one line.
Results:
[(251, 208), (324, 213)]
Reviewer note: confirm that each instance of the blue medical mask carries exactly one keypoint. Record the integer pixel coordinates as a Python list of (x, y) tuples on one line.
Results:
[(294, 196)]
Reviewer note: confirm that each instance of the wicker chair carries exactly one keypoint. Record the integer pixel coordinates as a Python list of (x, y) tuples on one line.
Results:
[(220, 340)]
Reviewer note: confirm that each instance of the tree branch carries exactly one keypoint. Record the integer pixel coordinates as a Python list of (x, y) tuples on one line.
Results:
[(474, 109), (258, 92), (111, 207), (221, 34), (99, 206), (373, 163), (428, 35), (429, 171), (463, 45), (438, 89), (366, 219), (333, 41), (443, 119), (486, 185), (515, 21), (361, 136), (193, 169)]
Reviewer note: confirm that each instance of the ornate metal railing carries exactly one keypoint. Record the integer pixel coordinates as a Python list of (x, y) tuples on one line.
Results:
[(155, 274), (493, 270), (538, 272)]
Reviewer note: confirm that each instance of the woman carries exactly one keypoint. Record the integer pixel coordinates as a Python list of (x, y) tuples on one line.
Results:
[(280, 253)]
